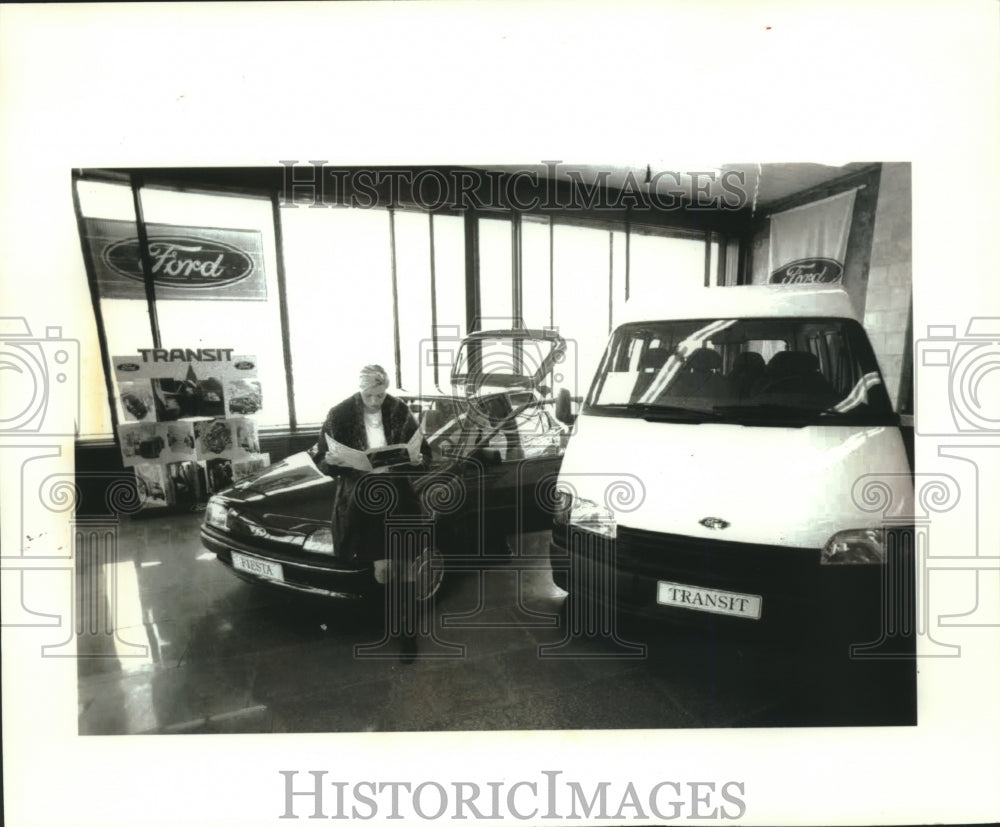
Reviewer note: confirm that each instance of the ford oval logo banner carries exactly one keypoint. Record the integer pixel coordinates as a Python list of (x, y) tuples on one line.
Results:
[(714, 523), (185, 262), (808, 244), (808, 271)]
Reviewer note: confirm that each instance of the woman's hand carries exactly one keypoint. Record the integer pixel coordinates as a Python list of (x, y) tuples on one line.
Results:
[(334, 458)]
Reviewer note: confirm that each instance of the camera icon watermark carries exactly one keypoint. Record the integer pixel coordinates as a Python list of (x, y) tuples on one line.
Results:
[(41, 380), (535, 368), (957, 379)]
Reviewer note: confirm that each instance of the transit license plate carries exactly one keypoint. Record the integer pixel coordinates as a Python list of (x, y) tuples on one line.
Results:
[(699, 599), (262, 568)]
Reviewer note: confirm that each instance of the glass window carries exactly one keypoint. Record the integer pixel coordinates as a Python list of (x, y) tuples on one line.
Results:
[(496, 299), (449, 289), (250, 328), (339, 287), (126, 321), (659, 264), (413, 290), (536, 304), (580, 308)]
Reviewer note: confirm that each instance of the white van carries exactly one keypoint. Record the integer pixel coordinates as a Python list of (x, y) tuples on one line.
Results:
[(742, 454)]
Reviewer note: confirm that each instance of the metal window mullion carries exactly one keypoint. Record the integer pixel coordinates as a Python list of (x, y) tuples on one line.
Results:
[(611, 278), (395, 297), (516, 272), (135, 182), (628, 256), (552, 273), (472, 299), (286, 342), (434, 330), (708, 259)]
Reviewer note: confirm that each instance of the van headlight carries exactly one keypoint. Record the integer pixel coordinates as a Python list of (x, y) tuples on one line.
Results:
[(320, 541), (217, 514), (853, 547), (586, 515)]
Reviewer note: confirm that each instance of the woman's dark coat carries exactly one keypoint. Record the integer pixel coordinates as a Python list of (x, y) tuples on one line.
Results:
[(355, 531)]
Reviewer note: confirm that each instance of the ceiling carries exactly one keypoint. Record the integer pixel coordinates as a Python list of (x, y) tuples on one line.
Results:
[(741, 185), (763, 184), (775, 182)]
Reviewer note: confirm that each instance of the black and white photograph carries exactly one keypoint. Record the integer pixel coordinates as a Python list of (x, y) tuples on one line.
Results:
[(718, 472), (680, 368)]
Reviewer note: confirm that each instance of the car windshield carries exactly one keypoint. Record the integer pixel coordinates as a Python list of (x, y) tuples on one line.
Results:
[(513, 423), (756, 371)]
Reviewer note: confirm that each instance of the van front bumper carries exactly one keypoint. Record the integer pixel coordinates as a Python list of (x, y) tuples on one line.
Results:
[(794, 594)]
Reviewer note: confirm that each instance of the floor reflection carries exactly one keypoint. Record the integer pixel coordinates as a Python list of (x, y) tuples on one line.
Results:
[(171, 642)]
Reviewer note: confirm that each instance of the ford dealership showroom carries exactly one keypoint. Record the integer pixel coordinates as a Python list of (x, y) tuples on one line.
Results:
[(550, 447)]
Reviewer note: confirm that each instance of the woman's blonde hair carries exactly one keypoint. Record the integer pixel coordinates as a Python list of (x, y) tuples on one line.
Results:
[(374, 375)]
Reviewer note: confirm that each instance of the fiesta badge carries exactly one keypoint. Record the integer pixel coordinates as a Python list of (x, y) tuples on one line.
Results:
[(714, 523)]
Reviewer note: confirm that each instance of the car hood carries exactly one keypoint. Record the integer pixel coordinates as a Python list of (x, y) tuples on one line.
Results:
[(293, 478)]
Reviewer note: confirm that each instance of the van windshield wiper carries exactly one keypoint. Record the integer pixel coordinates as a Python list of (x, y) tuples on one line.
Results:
[(671, 413), (796, 414), (774, 414)]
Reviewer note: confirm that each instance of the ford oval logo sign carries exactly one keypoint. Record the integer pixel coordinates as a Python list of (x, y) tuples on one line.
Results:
[(244, 366), (714, 523), (808, 271), (181, 261), (128, 366)]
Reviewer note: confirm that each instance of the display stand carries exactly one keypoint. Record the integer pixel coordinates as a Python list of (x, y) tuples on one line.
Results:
[(185, 425)]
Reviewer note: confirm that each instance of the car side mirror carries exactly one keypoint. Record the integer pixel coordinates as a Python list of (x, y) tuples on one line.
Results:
[(564, 407)]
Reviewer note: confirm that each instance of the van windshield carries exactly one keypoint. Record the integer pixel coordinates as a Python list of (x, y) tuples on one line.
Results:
[(768, 371)]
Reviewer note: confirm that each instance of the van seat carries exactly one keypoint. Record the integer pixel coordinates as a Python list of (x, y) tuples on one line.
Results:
[(794, 371), (748, 367), (701, 376)]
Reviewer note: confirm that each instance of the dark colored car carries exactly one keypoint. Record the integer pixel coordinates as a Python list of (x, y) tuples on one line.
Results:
[(496, 449), (247, 404), (494, 461)]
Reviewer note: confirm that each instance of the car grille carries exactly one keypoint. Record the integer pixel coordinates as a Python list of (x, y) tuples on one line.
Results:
[(640, 558), (712, 561)]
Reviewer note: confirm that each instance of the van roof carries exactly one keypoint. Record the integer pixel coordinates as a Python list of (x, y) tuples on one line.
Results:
[(744, 301)]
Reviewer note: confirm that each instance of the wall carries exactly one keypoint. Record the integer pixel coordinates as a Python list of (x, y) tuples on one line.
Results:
[(889, 297)]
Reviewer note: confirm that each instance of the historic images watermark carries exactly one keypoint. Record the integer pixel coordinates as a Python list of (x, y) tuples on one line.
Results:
[(550, 185), (551, 796)]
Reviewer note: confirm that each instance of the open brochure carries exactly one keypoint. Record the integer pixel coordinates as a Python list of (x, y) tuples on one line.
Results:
[(377, 459)]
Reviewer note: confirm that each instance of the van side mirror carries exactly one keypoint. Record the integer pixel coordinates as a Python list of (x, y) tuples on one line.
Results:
[(564, 407)]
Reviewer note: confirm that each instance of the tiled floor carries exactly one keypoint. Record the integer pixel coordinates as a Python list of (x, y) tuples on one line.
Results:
[(190, 648)]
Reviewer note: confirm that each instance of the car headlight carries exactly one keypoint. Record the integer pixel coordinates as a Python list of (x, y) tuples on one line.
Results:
[(854, 546), (590, 516), (217, 514), (320, 541)]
